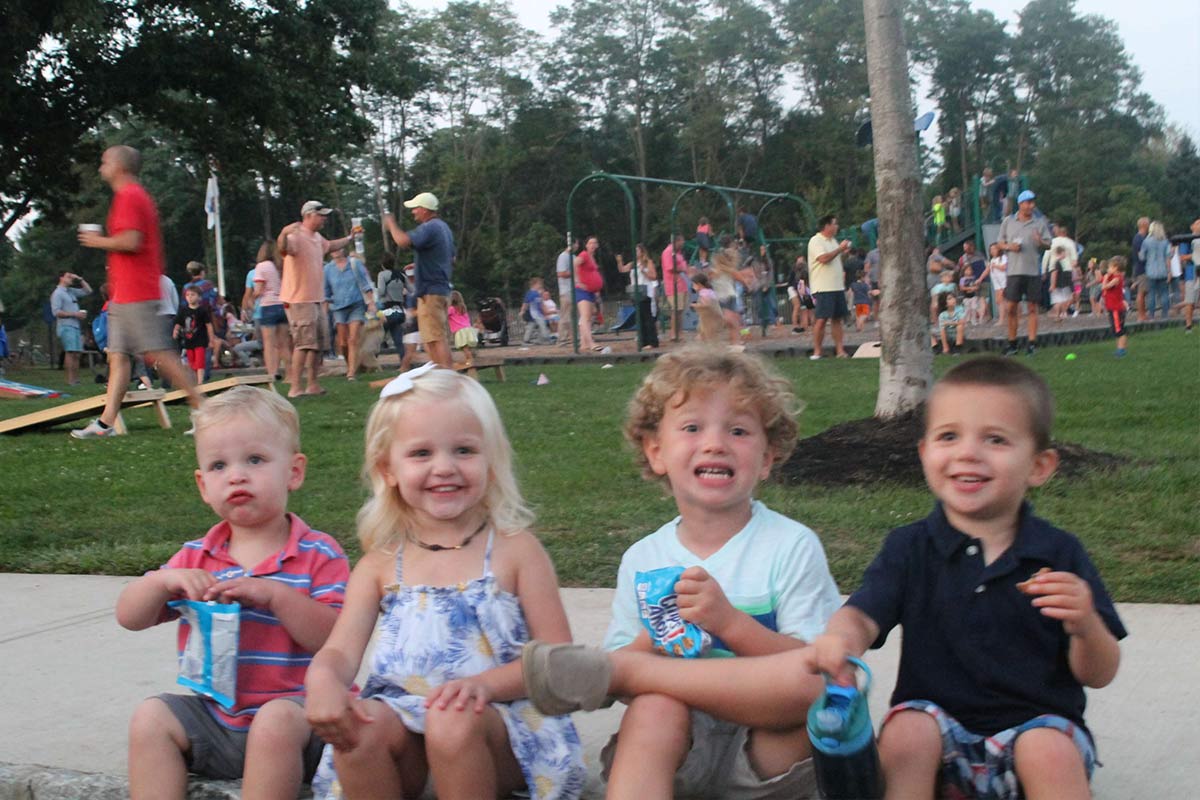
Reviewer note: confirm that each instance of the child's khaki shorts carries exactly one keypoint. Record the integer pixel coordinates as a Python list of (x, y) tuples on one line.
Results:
[(717, 766)]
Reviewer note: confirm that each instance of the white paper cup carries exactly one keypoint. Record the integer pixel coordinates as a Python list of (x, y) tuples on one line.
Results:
[(91, 228)]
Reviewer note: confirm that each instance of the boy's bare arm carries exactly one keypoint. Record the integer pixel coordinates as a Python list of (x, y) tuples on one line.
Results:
[(306, 620), (849, 633), (702, 601), (141, 603), (1093, 653), (746, 636)]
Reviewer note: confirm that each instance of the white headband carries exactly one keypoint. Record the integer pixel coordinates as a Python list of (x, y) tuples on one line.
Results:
[(404, 382)]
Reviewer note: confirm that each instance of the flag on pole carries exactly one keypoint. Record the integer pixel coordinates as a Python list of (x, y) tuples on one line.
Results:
[(211, 196), (212, 207)]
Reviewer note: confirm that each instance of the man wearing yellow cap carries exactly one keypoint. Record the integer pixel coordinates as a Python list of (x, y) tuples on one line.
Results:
[(433, 248)]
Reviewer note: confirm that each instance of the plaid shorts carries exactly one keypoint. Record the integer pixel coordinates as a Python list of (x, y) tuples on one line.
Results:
[(983, 767)]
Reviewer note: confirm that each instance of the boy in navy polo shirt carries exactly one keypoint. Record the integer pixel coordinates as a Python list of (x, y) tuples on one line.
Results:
[(1005, 618)]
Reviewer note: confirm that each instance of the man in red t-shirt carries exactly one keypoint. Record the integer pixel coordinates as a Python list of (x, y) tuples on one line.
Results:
[(135, 264)]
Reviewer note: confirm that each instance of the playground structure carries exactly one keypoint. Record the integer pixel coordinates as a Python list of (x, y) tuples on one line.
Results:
[(726, 195), (973, 225)]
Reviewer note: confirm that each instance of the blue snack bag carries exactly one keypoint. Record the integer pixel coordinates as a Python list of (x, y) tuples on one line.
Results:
[(658, 608), (209, 662)]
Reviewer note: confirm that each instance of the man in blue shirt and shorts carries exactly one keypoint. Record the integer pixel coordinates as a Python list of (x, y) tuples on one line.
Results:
[(433, 249)]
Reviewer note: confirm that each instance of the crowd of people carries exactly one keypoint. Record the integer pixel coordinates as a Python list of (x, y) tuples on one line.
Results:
[(307, 297), (725, 280), (1037, 268), (304, 295)]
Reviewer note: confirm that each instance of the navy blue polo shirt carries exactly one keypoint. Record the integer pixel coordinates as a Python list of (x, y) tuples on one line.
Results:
[(973, 643), (433, 252)]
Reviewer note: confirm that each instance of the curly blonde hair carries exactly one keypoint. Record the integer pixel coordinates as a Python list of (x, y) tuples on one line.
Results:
[(755, 386), (385, 520)]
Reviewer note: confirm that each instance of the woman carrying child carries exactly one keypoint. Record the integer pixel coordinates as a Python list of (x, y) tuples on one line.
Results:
[(459, 584)]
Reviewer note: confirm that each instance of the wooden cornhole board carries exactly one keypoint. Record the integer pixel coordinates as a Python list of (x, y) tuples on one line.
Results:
[(213, 387), (869, 350), (472, 370), (78, 409)]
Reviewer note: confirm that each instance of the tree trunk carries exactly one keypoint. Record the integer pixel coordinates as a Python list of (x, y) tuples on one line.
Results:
[(906, 364), (962, 142)]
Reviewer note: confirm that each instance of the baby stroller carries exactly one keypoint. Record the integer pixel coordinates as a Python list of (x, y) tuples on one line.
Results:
[(494, 317)]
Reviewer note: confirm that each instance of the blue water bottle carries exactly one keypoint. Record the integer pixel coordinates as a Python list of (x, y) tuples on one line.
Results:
[(845, 758)]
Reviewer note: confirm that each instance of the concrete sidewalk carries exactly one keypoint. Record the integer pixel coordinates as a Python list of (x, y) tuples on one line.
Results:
[(70, 677)]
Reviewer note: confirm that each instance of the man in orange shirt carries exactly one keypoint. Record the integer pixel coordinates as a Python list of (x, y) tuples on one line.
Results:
[(303, 292), (135, 265)]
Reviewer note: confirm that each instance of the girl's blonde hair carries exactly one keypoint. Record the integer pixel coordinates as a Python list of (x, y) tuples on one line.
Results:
[(385, 520), (755, 386), (1157, 231), (457, 301)]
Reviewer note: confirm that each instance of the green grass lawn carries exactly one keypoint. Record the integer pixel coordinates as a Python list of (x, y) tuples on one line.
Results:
[(122, 506)]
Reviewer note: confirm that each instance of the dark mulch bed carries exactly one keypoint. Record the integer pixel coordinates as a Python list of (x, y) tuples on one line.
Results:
[(866, 450)]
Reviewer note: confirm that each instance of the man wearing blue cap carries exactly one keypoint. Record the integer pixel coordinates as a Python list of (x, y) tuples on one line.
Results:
[(1023, 235)]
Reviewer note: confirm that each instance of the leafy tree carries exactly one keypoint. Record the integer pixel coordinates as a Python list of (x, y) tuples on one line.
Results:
[(1182, 177), (247, 85), (614, 61), (1073, 72), (968, 60)]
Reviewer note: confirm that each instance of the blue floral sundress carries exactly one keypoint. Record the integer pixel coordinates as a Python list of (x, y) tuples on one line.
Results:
[(429, 635)]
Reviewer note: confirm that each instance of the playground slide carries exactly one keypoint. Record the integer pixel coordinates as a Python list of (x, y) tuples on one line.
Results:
[(626, 320)]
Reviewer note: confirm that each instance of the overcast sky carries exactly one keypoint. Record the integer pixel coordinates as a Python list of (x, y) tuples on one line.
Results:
[(1162, 37)]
